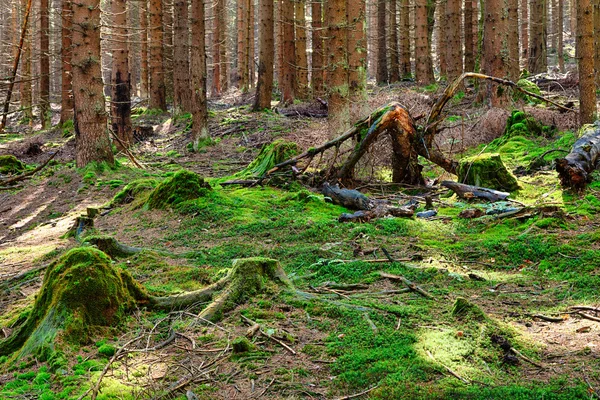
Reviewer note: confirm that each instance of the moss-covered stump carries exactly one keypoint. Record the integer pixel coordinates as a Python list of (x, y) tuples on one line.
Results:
[(81, 292), (10, 165), (134, 190), (270, 155), (183, 186), (487, 170), (111, 246), (522, 124), (246, 278)]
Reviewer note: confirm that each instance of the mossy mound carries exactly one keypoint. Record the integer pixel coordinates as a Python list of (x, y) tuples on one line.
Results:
[(530, 87), (111, 246), (270, 155), (81, 292), (183, 186), (241, 345), (522, 124), (487, 170), (134, 190), (464, 309), (10, 165)]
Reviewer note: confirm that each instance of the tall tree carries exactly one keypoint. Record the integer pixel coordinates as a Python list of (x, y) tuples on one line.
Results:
[(585, 49), (495, 38), (393, 42), (442, 39), (266, 56), (424, 66), (144, 70), (217, 44), (337, 73), (525, 32), (405, 65), (538, 59), (513, 65), (198, 67), (120, 102), (469, 37), (357, 57), (560, 40), (301, 58), (454, 49), (288, 52), (596, 4), (45, 111), (242, 45), (66, 105), (317, 48), (92, 142), (250, 44), (182, 94), (158, 95), (382, 70), (221, 16)]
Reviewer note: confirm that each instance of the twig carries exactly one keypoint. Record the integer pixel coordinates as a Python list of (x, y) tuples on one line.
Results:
[(265, 389), (26, 174), (127, 152), (279, 342), (588, 316), (587, 308), (408, 283), (353, 396), (457, 376), (546, 318), (529, 360)]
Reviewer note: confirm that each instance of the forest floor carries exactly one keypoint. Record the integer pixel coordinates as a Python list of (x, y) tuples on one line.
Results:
[(347, 332)]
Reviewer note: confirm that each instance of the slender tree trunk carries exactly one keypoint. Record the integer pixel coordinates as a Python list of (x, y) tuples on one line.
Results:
[(337, 76), (405, 65), (442, 39), (167, 12), (585, 49), (92, 142), (373, 39), (573, 22), (393, 42), (424, 67), (525, 32), (121, 81), (181, 59), (469, 37), (301, 59), (317, 48), (216, 88), (250, 44), (242, 39), (357, 58), (596, 4), (454, 52), (158, 99), (554, 38), (495, 41), (538, 59), (224, 61), (288, 52), (198, 68), (513, 40), (266, 56), (560, 39), (66, 105), (45, 111), (382, 70), (144, 71), (25, 85)]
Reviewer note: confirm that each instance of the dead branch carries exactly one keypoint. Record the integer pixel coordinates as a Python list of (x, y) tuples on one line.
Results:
[(408, 283), (27, 174), (457, 376), (270, 337), (469, 192)]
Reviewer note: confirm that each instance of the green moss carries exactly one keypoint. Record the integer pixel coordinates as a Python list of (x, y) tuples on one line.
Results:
[(9, 164), (530, 87), (106, 350), (81, 292), (183, 186), (270, 155), (523, 124), (464, 309), (487, 170), (241, 344), (134, 190)]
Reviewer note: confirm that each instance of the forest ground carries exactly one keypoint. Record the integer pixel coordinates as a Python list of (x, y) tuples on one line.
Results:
[(367, 336)]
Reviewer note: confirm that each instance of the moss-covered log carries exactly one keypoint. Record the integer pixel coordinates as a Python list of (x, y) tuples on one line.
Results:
[(111, 246), (576, 168), (487, 170)]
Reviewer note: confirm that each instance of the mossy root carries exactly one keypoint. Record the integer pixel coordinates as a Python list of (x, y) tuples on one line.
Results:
[(111, 246)]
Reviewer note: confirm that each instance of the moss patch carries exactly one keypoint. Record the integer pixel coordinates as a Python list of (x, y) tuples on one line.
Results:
[(487, 170), (269, 156), (10, 165), (184, 185), (523, 124), (134, 190)]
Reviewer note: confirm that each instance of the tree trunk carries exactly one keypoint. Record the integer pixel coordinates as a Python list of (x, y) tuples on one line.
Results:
[(469, 37), (198, 68), (181, 59), (289, 53), (393, 42), (454, 52), (45, 110), (317, 48), (167, 12), (424, 67), (216, 48), (242, 48), (337, 74), (372, 35), (121, 81), (66, 104), (525, 33), (560, 40), (575, 169), (538, 58), (442, 40), (405, 65), (301, 60), (25, 85), (266, 55), (92, 142), (221, 16), (357, 58), (382, 71), (144, 72), (494, 46), (250, 45), (585, 49), (573, 13), (158, 92), (597, 40), (513, 67)]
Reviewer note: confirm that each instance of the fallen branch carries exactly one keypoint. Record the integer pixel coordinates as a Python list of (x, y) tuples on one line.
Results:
[(355, 395), (270, 337), (529, 360), (408, 284), (457, 376), (546, 318), (27, 174), (470, 192), (588, 316)]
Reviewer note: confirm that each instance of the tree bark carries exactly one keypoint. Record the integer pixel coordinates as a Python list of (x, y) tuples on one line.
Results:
[(158, 92), (288, 52), (538, 56), (266, 55), (525, 32), (120, 104), (442, 40), (393, 42), (66, 105), (469, 37), (585, 49), (337, 74), (382, 70), (92, 142), (424, 67), (560, 40), (221, 16), (250, 45), (216, 88), (242, 48), (357, 58), (45, 111), (317, 48), (597, 40), (494, 46), (301, 59), (25, 85), (405, 65), (198, 67), (181, 59), (454, 52), (513, 67), (144, 71)]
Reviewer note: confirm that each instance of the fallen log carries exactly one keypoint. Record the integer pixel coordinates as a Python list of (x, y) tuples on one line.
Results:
[(575, 169), (468, 192)]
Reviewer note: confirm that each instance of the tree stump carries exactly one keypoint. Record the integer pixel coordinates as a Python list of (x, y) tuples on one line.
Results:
[(487, 170)]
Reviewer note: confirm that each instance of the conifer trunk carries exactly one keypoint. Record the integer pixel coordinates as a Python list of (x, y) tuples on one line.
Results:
[(525, 32), (216, 48), (288, 52), (317, 48), (181, 61), (560, 40), (469, 37), (454, 52), (242, 39), (494, 46), (198, 69), (158, 93), (585, 49), (513, 40), (144, 71), (120, 78), (337, 75), (45, 111), (357, 58), (405, 65), (393, 42), (537, 39), (596, 40), (25, 85), (66, 104), (382, 70), (442, 39), (266, 56), (424, 68), (301, 59)]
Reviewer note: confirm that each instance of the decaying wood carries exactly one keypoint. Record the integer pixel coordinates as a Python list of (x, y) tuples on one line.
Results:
[(412, 286), (270, 337), (575, 169), (349, 198), (468, 192), (27, 174)]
